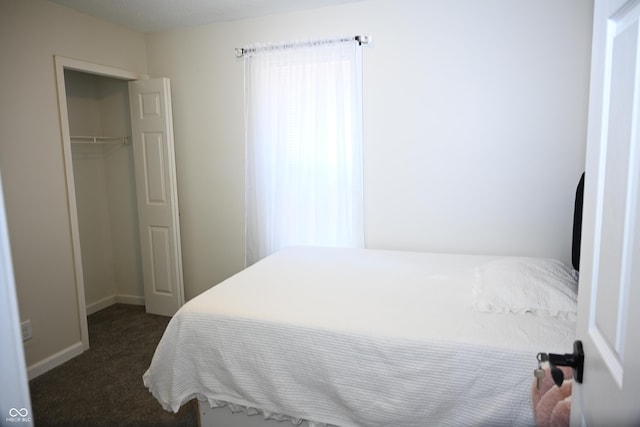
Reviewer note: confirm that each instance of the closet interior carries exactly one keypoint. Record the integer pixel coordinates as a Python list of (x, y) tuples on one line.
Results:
[(103, 171)]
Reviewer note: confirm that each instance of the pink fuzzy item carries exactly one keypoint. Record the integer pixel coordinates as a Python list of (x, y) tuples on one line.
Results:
[(561, 413), (546, 383), (549, 401)]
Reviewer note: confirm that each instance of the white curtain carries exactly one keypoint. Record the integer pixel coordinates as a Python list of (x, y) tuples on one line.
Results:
[(304, 183)]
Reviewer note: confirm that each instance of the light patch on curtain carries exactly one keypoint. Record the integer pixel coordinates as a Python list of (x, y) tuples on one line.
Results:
[(304, 148)]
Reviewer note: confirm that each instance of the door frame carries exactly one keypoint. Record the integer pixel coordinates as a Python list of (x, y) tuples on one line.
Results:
[(61, 64)]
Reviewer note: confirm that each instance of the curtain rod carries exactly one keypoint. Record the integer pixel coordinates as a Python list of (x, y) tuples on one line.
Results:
[(242, 51)]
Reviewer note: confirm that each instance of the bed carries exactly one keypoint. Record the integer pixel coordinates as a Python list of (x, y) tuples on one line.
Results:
[(358, 337)]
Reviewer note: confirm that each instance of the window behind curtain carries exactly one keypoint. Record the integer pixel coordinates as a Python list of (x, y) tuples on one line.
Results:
[(304, 148)]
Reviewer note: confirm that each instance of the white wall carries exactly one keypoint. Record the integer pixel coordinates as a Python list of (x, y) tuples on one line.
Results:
[(108, 224), (90, 177), (474, 124), (31, 159)]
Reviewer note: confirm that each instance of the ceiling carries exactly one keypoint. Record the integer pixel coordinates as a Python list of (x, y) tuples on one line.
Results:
[(159, 15)]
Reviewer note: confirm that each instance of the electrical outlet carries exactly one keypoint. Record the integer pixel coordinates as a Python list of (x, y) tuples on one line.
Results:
[(26, 330)]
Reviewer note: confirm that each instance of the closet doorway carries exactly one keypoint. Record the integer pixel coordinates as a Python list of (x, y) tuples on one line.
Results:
[(117, 134)]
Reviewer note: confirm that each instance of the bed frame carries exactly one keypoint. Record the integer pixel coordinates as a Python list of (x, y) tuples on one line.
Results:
[(223, 417)]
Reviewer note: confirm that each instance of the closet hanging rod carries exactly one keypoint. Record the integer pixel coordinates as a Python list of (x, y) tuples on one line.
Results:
[(101, 139), (242, 51)]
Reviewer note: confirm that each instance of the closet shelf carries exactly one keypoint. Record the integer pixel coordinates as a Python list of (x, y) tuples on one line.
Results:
[(87, 139)]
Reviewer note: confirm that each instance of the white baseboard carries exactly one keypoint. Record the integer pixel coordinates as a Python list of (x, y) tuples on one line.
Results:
[(54, 360), (114, 299), (100, 304)]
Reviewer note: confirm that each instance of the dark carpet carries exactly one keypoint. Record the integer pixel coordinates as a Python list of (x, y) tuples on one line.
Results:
[(103, 386)]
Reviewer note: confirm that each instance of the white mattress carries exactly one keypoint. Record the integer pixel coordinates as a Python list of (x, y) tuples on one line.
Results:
[(353, 337)]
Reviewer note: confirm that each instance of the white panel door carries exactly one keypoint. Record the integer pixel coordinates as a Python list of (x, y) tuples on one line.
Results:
[(608, 315), (15, 402), (154, 158)]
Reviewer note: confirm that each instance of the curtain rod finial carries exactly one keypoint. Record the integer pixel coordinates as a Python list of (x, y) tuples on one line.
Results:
[(363, 39), (239, 52)]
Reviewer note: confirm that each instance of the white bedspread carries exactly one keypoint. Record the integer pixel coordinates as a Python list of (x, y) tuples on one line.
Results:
[(356, 338)]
